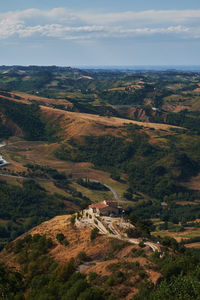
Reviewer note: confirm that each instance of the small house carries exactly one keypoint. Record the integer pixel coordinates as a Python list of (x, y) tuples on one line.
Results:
[(105, 208)]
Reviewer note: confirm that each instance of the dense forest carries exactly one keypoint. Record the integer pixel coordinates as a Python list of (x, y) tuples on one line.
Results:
[(23, 207), (28, 118)]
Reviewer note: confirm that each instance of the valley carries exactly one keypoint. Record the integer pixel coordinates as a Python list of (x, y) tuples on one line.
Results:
[(73, 139)]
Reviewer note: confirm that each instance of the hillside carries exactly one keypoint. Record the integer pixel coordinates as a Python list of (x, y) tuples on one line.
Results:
[(47, 262), (50, 109), (100, 256), (73, 138), (145, 162), (81, 123)]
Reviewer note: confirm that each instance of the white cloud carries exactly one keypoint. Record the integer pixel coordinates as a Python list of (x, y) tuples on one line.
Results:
[(144, 17), (65, 24)]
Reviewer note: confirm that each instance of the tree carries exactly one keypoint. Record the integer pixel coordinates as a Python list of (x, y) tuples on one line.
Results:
[(94, 233)]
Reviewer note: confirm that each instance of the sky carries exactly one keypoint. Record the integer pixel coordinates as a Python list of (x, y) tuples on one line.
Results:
[(100, 33)]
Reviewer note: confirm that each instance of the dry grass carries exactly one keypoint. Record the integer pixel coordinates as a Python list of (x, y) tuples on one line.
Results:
[(79, 240), (194, 183), (193, 245), (189, 232), (28, 99), (42, 153), (82, 123)]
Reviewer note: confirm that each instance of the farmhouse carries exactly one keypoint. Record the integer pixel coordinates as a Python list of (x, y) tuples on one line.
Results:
[(105, 208)]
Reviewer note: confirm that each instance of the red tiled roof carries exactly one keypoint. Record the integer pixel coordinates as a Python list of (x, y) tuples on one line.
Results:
[(99, 205)]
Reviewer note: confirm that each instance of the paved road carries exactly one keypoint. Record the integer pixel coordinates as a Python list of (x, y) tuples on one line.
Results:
[(86, 265), (115, 234), (2, 144), (108, 187), (100, 225), (28, 178)]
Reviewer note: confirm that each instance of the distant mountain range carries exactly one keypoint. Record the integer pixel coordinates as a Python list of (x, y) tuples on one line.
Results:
[(153, 68)]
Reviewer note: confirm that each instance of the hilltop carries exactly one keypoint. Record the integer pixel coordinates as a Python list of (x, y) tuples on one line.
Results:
[(99, 256)]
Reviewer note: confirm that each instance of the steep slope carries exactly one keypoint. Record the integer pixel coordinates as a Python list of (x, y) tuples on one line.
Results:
[(76, 124), (100, 256)]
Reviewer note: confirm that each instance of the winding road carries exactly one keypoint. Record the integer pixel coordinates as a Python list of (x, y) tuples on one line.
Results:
[(108, 187), (2, 144), (112, 232), (100, 225)]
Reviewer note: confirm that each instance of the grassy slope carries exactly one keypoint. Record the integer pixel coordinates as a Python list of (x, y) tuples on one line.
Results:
[(102, 249)]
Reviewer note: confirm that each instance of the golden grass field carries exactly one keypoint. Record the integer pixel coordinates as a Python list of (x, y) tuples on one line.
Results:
[(79, 241)]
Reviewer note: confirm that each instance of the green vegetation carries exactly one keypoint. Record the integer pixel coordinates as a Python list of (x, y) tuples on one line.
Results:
[(28, 118), (23, 207), (82, 256), (61, 239), (117, 245), (173, 213), (94, 233), (156, 164), (143, 227), (44, 171), (129, 273), (125, 97), (180, 273), (41, 277), (153, 170), (100, 150), (92, 185), (88, 108)]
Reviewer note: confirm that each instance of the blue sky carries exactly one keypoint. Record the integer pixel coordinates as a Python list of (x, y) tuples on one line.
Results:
[(106, 32)]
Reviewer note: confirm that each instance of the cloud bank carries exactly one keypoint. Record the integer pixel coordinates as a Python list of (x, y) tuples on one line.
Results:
[(61, 23)]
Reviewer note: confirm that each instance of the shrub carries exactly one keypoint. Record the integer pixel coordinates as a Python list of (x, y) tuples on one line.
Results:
[(110, 281), (72, 220), (94, 233), (92, 276), (117, 245), (60, 237), (141, 244), (82, 256)]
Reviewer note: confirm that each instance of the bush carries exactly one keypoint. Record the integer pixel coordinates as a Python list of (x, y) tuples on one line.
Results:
[(60, 237), (94, 233), (110, 281), (82, 256), (117, 245), (141, 244), (73, 219), (92, 276)]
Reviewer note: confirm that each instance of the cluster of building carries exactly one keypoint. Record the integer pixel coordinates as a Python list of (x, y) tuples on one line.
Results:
[(105, 208)]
